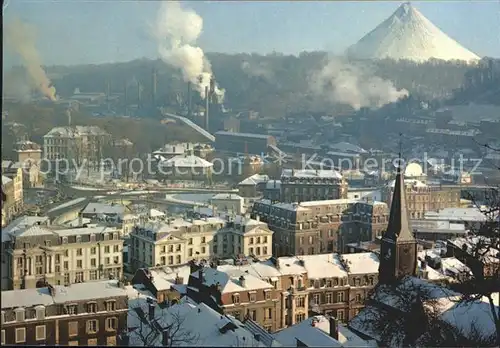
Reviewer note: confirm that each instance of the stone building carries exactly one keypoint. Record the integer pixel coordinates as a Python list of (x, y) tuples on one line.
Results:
[(309, 185), (41, 254), (319, 226), (87, 314)]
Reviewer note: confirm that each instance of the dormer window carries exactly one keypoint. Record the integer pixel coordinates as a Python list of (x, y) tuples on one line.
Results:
[(110, 305), (115, 236), (91, 307), (78, 239), (47, 243), (20, 314), (236, 299), (40, 313), (65, 240), (106, 236), (92, 237)]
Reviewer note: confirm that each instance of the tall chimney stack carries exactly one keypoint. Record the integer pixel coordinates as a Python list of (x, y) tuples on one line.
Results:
[(334, 328), (207, 106), (139, 94), (153, 88), (68, 113)]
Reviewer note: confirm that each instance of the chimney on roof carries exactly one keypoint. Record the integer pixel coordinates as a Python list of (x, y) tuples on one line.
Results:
[(151, 311), (242, 281), (334, 328), (165, 338), (52, 291), (201, 275)]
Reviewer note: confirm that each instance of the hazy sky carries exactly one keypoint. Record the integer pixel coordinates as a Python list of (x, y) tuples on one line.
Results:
[(79, 31)]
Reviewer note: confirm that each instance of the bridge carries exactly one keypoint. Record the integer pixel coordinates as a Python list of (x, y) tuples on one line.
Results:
[(190, 124)]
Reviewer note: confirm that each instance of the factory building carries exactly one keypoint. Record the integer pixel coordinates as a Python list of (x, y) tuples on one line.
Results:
[(255, 144)]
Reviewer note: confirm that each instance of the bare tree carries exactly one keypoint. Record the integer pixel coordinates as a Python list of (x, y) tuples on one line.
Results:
[(167, 326), (413, 317), (482, 255)]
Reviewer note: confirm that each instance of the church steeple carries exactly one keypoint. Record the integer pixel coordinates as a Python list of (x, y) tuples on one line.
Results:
[(398, 250)]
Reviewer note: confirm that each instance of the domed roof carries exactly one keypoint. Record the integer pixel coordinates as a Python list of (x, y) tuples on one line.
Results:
[(413, 170)]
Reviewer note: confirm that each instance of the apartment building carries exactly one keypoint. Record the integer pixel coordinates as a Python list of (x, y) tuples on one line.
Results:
[(39, 254), (243, 236), (253, 186), (309, 285), (172, 242), (314, 227), (228, 202), (237, 293), (78, 143), (14, 171), (308, 185), (87, 314)]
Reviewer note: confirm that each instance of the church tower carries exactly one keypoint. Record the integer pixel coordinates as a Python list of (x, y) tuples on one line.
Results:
[(398, 249)]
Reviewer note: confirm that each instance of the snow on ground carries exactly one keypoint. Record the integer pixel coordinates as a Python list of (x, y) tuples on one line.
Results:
[(143, 192)]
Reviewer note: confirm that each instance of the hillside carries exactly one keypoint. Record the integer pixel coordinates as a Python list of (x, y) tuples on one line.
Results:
[(270, 84)]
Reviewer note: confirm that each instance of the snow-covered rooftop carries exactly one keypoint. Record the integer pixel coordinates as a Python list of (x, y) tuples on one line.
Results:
[(310, 173), (76, 292), (187, 161), (255, 179), (230, 281), (362, 263), (315, 332)]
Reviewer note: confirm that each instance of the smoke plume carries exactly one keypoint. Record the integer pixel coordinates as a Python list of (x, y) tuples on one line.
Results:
[(343, 82), (177, 30), (257, 70), (20, 38)]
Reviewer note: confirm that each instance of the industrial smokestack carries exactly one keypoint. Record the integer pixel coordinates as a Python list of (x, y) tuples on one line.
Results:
[(139, 94), (153, 88), (189, 99), (212, 88), (207, 106)]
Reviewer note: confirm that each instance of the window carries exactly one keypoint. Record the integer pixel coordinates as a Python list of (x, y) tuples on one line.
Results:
[(264, 250), (93, 275), (203, 240), (265, 239), (190, 241), (40, 333), (116, 248), (93, 262), (316, 299), (328, 297), (340, 297), (92, 239), (3, 317), (66, 265), (358, 298), (71, 309), (106, 249), (111, 324), (253, 314), (236, 299), (66, 278), (3, 337), (257, 250), (39, 270), (20, 313), (79, 252), (65, 240), (91, 307), (340, 314), (40, 313), (21, 335), (110, 305), (66, 253), (93, 251), (190, 252), (178, 259), (73, 328), (92, 326), (79, 277), (170, 260), (170, 248), (106, 261), (299, 302), (258, 240), (250, 251), (178, 247), (203, 250), (79, 264), (251, 240), (299, 317), (268, 313), (116, 260), (252, 297), (268, 295)]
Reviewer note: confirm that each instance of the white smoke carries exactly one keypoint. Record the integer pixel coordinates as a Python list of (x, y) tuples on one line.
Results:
[(342, 82), (257, 70), (177, 30)]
